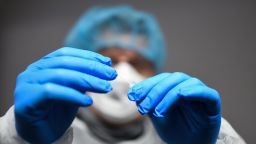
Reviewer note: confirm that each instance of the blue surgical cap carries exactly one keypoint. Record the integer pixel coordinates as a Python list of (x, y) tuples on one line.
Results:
[(121, 27)]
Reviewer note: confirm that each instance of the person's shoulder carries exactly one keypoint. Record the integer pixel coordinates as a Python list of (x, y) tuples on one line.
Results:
[(228, 135)]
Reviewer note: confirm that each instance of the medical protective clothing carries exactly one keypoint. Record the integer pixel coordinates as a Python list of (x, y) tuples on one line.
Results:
[(49, 92), (80, 133), (180, 106), (121, 27)]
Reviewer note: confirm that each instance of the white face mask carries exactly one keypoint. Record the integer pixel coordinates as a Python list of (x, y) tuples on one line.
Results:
[(115, 107)]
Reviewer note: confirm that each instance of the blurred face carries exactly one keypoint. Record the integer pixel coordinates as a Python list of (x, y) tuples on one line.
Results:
[(143, 66), (128, 109)]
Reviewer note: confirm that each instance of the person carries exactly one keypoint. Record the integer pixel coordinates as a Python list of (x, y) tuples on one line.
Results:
[(106, 85)]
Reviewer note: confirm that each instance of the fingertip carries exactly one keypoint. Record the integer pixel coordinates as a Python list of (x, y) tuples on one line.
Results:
[(103, 59), (108, 61), (157, 114), (114, 74), (110, 73), (134, 93), (106, 87), (130, 97), (141, 110), (109, 88), (87, 101)]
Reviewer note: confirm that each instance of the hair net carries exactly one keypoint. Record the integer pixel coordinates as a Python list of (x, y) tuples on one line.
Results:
[(121, 27)]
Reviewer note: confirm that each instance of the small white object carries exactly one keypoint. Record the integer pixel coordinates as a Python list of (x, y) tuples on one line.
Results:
[(115, 105)]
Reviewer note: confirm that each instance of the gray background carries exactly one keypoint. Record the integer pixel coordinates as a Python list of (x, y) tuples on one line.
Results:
[(212, 40)]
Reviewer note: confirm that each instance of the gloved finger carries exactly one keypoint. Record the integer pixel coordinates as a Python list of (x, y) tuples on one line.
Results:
[(203, 94), (51, 92), (139, 90), (156, 94), (65, 95), (84, 54), (74, 63), (74, 79), (171, 99)]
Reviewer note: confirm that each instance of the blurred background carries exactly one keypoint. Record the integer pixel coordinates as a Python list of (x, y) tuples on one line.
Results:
[(213, 40)]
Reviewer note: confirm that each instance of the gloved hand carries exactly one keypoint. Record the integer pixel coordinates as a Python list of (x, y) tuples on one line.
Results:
[(183, 109), (49, 92)]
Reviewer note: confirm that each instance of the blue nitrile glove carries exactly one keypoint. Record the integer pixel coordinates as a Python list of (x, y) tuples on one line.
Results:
[(183, 109), (49, 92)]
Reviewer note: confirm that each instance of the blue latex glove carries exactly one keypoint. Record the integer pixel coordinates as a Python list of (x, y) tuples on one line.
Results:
[(183, 109), (49, 92)]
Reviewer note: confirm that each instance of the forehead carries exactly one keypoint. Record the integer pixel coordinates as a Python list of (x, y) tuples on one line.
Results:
[(121, 52), (129, 39)]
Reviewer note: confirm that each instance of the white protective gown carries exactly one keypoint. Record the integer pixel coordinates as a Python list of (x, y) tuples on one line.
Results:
[(79, 133)]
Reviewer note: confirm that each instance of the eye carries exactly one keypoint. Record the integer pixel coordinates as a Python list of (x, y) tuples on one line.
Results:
[(143, 67), (135, 64), (114, 61), (139, 65)]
